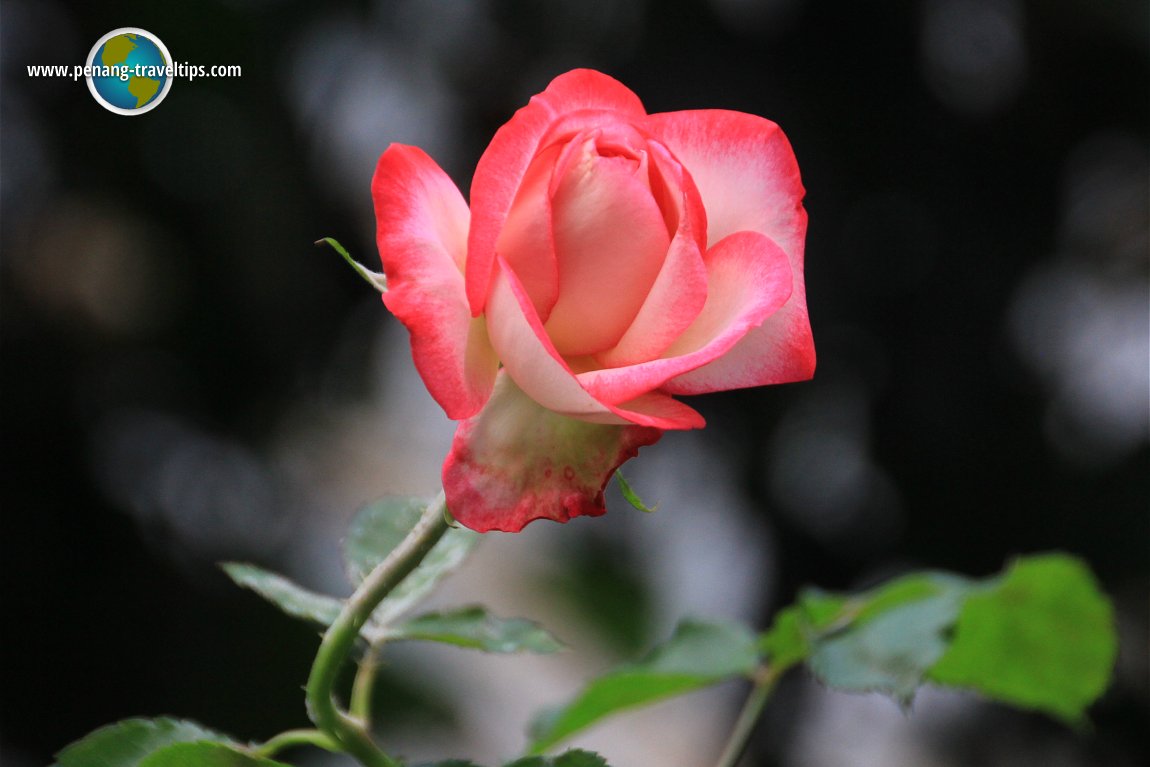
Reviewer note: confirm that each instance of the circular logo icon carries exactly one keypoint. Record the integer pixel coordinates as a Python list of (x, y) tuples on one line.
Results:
[(130, 71)]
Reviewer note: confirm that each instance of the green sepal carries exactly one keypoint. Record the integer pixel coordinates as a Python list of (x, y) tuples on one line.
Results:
[(631, 496), (376, 279)]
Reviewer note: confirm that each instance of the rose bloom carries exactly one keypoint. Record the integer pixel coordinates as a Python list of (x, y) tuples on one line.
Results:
[(610, 259)]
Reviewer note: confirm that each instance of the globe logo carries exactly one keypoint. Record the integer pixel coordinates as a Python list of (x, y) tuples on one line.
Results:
[(130, 71)]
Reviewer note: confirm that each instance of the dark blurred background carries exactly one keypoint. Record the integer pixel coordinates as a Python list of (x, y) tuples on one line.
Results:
[(187, 379)]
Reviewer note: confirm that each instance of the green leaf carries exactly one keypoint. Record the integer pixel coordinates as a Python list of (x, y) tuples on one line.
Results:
[(801, 629), (290, 597), (821, 610), (375, 530), (632, 497), (1041, 637), (786, 643), (379, 528), (475, 628), (579, 758), (127, 743), (206, 755), (574, 758), (893, 637), (697, 655), (905, 590)]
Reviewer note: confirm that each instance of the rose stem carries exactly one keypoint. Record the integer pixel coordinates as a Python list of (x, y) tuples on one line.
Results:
[(339, 639)]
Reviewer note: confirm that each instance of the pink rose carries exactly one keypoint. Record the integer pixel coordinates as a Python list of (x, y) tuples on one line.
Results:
[(610, 259)]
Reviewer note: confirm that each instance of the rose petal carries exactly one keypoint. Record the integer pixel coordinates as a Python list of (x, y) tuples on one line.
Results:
[(528, 355), (536, 367), (421, 223), (744, 169), (661, 411), (680, 290), (780, 351), (527, 241), (517, 461), (500, 170), (748, 279), (747, 175), (610, 241)]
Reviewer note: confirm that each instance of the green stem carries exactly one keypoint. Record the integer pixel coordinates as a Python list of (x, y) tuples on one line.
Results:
[(349, 731), (360, 704), (764, 685), (296, 738)]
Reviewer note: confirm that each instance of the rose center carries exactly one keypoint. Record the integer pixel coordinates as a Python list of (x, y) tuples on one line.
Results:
[(610, 241)]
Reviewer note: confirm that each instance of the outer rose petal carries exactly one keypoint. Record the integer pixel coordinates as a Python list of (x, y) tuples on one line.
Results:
[(516, 462), (747, 175), (421, 232), (744, 169), (779, 351), (506, 159)]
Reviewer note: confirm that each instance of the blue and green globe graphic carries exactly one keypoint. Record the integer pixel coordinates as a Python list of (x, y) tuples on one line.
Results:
[(139, 78)]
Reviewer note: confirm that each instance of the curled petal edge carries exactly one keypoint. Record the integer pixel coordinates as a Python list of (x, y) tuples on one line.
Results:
[(503, 165)]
